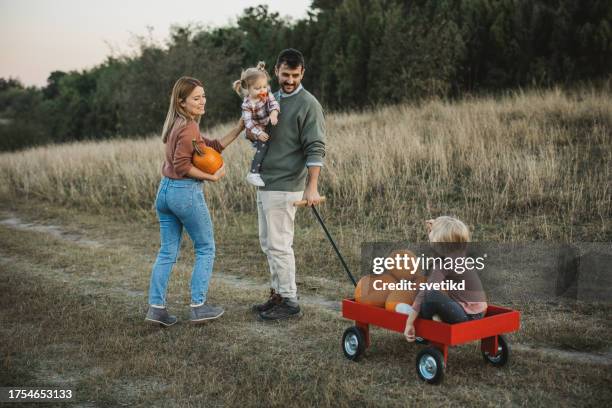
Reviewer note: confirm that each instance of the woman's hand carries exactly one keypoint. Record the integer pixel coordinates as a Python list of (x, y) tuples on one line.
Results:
[(409, 332), (263, 137), (250, 136), (218, 174)]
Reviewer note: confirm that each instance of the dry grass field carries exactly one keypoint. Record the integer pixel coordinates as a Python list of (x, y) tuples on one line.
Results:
[(522, 167), (78, 238)]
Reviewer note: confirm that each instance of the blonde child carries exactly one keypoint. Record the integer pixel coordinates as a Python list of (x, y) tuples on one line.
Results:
[(449, 237), (258, 109)]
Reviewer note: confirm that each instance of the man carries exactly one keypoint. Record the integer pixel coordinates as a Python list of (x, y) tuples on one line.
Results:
[(294, 160)]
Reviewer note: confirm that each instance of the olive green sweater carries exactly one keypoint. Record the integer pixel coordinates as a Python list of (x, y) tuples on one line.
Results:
[(297, 141)]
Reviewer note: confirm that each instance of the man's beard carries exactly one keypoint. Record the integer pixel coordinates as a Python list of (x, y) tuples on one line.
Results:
[(285, 86)]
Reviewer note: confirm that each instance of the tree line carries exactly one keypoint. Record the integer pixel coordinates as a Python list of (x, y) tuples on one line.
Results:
[(359, 53)]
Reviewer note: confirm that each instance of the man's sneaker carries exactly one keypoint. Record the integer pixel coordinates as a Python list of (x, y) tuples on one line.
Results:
[(272, 301), (282, 311), (205, 312), (159, 315), (255, 179)]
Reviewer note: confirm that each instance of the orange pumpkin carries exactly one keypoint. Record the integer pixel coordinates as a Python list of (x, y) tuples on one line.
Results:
[(398, 297), (400, 274), (206, 158), (366, 294)]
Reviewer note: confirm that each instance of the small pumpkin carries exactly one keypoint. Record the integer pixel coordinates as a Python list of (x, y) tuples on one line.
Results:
[(404, 297), (206, 158), (400, 274), (366, 293)]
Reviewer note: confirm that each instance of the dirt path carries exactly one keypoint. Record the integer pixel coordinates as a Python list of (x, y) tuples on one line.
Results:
[(567, 355), (12, 220)]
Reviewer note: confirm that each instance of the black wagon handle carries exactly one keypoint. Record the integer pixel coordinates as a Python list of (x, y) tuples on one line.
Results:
[(304, 203)]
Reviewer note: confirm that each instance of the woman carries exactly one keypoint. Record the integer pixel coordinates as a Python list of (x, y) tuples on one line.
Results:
[(180, 203)]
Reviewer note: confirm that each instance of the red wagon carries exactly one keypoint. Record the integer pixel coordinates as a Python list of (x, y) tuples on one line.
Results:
[(431, 361)]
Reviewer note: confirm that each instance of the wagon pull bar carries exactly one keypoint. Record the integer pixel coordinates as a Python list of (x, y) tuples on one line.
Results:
[(303, 203)]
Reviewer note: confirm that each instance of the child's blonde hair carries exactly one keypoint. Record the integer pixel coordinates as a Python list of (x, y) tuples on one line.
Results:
[(448, 229), (248, 77)]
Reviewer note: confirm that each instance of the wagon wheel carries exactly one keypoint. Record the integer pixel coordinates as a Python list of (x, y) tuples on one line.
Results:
[(353, 343), (430, 365), (503, 353)]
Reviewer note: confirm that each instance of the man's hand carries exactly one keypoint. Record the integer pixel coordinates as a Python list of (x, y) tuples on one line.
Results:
[(429, 225), (311, 195), (263, 137), (274, 117)]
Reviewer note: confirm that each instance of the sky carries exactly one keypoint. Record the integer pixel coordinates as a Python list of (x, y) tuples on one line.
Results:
[(41, 36)]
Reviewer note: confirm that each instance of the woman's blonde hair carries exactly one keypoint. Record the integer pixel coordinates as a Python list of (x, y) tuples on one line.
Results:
[(182, 88), (448, 229), (248, 77)]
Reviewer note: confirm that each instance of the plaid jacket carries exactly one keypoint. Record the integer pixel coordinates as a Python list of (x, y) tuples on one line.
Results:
[(256, 116)]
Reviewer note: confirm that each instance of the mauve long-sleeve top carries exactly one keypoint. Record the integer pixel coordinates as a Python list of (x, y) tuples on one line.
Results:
[(179, 149)]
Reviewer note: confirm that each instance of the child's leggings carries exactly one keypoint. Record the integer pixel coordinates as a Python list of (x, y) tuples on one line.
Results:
[(260, 154), (436, 302)]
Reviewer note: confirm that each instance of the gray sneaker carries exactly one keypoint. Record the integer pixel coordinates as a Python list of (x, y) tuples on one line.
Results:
[(157, 315), (205, 312)]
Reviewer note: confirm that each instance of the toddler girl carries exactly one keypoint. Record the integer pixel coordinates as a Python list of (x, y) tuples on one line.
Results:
[(258, 109)]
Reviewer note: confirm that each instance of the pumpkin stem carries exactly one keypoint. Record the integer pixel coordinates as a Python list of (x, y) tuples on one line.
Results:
[(196, 147)]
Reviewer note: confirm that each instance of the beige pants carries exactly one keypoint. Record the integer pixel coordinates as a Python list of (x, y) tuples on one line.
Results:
[(276, 214)]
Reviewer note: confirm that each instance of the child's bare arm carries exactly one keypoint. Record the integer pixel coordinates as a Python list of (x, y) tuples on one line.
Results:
[(409, 331)]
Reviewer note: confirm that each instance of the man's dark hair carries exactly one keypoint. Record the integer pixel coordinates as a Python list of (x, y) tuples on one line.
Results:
[(291, 57)]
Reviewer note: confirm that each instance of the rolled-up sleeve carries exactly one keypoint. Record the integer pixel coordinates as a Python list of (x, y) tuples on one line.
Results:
[(183, 153)]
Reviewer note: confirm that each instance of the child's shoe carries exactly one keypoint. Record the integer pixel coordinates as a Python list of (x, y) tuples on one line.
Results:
[(255, 179)]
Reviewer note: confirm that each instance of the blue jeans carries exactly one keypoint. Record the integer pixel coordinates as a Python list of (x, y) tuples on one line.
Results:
[(181, 203)]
